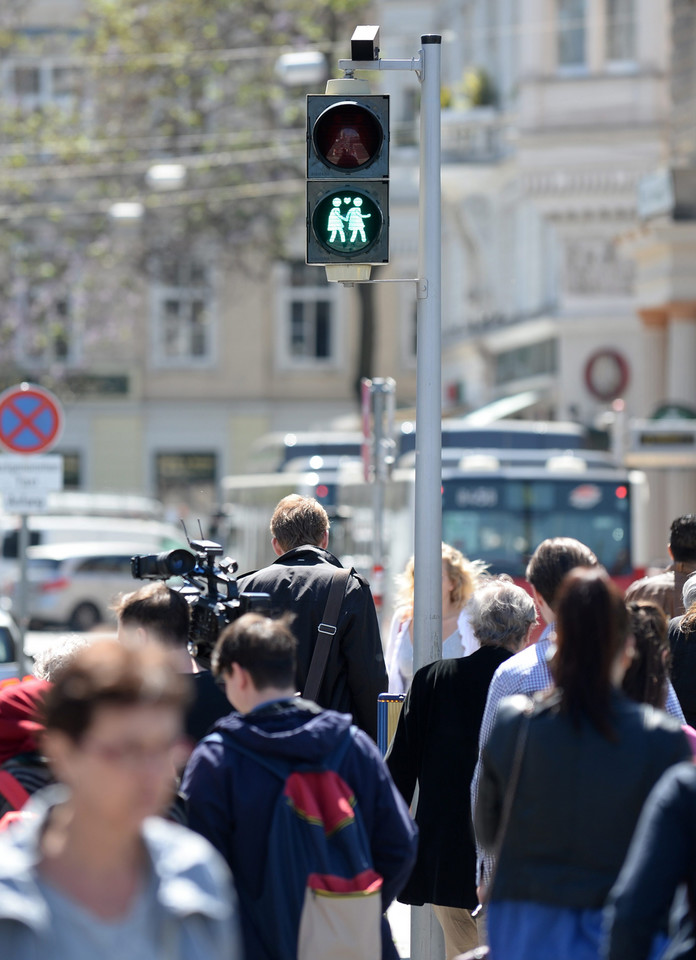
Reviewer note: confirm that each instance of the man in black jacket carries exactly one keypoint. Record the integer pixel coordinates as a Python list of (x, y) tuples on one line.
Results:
[(299, 582)]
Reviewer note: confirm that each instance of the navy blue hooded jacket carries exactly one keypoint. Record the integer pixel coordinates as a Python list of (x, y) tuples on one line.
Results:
[(231, 798)]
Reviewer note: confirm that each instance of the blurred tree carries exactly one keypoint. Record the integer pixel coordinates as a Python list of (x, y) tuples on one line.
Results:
[(88, 105)]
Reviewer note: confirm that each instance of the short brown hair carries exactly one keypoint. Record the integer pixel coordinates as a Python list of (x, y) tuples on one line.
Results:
[(267, 648), (552, 560), (297, 521), (105, 673), (158, 608)]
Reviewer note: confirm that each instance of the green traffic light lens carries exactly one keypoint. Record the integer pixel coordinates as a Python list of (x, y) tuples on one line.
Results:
[(347, 222), (347, 136)]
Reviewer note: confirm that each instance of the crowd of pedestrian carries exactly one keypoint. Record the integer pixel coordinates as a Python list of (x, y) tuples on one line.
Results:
[(539, 792)]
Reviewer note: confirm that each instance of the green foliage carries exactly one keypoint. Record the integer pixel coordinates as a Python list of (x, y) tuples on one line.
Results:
[(478, 88)]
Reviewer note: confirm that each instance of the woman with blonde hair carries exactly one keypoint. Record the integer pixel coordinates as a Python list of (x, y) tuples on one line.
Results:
[(460, 577)]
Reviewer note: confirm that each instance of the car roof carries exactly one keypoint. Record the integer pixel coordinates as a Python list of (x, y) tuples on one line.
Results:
[(94, 548), (7, 621)]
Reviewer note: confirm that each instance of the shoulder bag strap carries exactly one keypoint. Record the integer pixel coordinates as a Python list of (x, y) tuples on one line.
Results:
[(509, 797), (12, 790), (325, 634)]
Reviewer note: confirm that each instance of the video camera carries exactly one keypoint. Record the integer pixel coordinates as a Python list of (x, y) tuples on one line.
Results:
[(210, 589)]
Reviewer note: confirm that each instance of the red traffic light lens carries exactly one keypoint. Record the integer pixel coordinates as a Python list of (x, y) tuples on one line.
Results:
[(347, 135)]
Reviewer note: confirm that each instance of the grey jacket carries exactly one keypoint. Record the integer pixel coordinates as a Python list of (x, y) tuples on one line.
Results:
[(195, 895)]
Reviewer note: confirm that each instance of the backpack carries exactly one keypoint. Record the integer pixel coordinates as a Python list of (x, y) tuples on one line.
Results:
[(15, 794), (12, 790), (321, 898)]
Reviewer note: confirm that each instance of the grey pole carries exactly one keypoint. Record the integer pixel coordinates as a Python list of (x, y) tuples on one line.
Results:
[(378, 478), (427, 942), (427, 613), (22, 609)]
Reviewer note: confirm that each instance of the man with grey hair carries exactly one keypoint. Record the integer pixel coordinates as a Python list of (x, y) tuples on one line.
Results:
[(436, 746), (52, 657)]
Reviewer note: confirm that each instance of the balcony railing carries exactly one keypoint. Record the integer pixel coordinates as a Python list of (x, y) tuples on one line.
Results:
[(479, 135)]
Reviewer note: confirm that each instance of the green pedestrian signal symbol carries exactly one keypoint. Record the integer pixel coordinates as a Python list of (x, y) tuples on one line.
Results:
[(347, 222)]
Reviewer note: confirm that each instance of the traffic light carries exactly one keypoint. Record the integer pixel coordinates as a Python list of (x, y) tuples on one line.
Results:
[(347, 178)]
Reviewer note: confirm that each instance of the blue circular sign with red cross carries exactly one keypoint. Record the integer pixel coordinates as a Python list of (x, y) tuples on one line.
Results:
[(31, 419)]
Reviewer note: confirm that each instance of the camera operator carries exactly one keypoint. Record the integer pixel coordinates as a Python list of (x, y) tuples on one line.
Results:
[(157, 613)]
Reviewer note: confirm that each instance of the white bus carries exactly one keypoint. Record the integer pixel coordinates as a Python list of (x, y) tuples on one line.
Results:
[(248, 502), (498, 508)]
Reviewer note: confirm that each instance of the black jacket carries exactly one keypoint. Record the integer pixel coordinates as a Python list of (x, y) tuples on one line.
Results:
[(436, 744), (661, 859), (683, 673), (300, 581), (578, 797)]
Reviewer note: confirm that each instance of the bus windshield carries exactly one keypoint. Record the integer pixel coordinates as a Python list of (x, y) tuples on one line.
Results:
[(501, 521)]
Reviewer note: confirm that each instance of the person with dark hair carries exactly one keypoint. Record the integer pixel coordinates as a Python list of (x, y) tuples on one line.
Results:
[(157, 613), (585, 759), (436, 747), (647, 678), (299, 581), (92, 870), (665, 588), (528, 671), (231, 797)]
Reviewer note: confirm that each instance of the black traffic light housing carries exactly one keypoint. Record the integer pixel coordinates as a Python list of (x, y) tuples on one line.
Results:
[(347, 178)]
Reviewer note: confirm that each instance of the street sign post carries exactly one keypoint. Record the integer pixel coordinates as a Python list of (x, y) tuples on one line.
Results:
[(25, 482), (31, 421), (426, 934)]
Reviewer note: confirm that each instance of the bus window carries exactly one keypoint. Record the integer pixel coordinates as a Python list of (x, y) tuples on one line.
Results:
[(501, 521)]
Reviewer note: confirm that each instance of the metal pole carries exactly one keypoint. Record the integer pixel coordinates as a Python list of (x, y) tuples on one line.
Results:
[(427, 613), (378, 484), (427, 942), (22, 610)]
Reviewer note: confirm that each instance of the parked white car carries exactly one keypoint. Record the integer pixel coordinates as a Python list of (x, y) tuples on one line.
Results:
[(9, 647), (76, 584)]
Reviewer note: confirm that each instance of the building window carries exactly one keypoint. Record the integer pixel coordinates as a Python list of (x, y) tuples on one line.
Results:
[(307, 322), (187, 479), (621, 31), (529, 361), (571, 34), (182, 303), (30, 85), (310, 329), (48, 330), (72, 470)]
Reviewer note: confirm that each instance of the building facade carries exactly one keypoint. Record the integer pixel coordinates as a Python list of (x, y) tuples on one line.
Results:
[(171, 357)]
